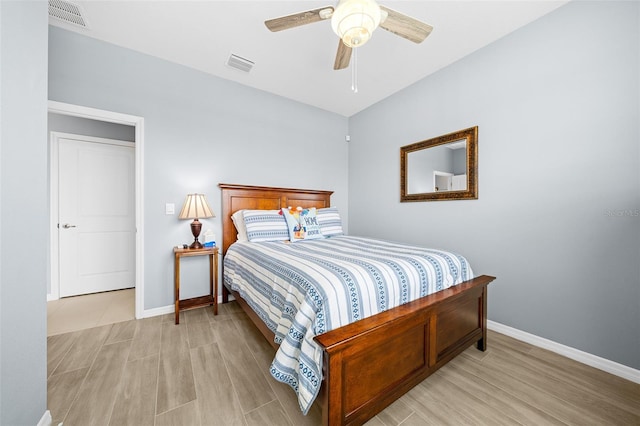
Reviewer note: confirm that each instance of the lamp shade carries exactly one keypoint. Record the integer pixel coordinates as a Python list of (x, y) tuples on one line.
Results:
[(195, 207), (354, 21)]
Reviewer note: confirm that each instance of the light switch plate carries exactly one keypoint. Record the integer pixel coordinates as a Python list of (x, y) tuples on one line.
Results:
[(169, 208)]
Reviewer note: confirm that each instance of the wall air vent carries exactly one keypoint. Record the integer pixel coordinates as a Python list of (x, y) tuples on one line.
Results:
[(240, 63), (67, 12)]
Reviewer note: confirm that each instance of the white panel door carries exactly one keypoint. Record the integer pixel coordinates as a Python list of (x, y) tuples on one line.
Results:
[(459, 183), (96, 216)]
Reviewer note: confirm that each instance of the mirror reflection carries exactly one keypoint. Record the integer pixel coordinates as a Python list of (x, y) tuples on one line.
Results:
[(441, 168)]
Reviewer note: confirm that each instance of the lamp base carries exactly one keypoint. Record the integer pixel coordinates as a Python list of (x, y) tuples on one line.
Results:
[(196, 227), (196, 245)]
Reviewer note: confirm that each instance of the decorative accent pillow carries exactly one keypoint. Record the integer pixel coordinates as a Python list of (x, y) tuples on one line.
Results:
[(330, 222), (238, 221), (265, 225), (302, 224)]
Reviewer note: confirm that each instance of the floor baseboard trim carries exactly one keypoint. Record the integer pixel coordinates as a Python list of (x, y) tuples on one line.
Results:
[(575, 354), (162, 310), (169, 309), (46, 419)]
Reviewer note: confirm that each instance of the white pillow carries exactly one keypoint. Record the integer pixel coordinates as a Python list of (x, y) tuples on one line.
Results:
[(238, 221)]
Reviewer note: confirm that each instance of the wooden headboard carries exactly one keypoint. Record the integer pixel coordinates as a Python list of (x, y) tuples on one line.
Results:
[(238, 197)]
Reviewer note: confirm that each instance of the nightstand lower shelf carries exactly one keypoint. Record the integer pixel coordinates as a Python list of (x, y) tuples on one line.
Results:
[(196, 302)]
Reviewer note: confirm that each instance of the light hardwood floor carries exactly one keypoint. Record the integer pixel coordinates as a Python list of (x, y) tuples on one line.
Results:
[(214, 371), (91, 310)]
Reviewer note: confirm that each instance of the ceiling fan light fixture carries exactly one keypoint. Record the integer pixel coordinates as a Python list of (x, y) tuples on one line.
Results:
[(355, 20)]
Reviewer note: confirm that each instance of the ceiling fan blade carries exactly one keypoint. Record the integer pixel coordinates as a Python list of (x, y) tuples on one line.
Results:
[(405, 26), (298, 19), (343, 56)]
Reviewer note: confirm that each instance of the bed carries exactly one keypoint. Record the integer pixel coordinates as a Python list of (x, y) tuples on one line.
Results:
[(368, 364)]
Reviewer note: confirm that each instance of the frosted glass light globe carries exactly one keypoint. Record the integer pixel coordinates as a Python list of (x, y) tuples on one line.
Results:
[(354, 21)]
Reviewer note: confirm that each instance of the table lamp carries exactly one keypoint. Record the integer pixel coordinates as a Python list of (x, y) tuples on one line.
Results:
[(195, 206)]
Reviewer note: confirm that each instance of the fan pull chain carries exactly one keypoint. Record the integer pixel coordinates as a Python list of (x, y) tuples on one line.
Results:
[(354, 72)]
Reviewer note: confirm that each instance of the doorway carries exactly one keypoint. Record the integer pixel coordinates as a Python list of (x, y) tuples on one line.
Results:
[(138, 124), (441, 181)]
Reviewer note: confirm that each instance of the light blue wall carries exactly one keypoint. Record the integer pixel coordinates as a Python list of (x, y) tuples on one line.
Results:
[(199, 131), (23, 212), (558, 214)]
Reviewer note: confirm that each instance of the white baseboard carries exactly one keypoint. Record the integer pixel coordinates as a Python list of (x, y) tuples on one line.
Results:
[(575, 354), (162, 310), (46, 419), (169, 309)]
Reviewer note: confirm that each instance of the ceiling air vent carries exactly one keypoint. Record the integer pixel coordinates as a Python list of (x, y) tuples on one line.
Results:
[(240, 63), (67, 12)]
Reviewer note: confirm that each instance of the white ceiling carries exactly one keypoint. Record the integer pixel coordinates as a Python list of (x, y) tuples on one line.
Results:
[(298, 63)]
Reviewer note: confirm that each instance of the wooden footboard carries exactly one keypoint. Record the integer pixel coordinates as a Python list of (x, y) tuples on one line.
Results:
[(372, 362)]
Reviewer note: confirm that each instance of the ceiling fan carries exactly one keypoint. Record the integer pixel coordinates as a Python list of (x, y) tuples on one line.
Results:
[(354, 22)]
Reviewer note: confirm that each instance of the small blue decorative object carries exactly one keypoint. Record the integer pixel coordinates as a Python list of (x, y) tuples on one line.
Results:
[(209, 239)]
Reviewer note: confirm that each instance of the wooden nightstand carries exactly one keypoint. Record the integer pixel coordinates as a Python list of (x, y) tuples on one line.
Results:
[(195, 302)]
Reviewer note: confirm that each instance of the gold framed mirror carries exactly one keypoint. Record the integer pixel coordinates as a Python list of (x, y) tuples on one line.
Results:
[(441, 168)]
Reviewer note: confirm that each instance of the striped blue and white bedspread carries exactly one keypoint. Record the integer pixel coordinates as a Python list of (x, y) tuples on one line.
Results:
[(304, 289)]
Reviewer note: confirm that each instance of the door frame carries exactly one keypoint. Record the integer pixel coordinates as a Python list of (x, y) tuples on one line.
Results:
[(111, 117)]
